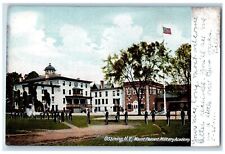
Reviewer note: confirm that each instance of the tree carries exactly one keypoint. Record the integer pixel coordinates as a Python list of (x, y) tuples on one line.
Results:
[(181, 64), (139, 65), (11, 80), (32, 75), (181, 67)]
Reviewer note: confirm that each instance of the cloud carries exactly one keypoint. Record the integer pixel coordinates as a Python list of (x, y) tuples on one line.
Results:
[(121, 35), (123, 20), (26, 38), (75, 39)]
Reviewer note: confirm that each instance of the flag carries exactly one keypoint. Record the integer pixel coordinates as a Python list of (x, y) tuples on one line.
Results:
[(166, 30)]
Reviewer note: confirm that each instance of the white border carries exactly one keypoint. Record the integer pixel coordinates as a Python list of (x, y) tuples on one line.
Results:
[(109, 2)]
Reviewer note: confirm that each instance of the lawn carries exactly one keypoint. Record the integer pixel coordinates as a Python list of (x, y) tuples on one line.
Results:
[(20, 125), (142, 130), (81, 121)]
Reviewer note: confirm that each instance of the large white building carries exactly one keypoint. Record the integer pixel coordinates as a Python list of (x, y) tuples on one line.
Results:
[(106, 97), (65, 93)]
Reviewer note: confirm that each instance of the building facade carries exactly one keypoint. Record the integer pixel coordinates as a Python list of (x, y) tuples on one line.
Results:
[(64, 93), (177, 97), (106, 97), (148, 95)]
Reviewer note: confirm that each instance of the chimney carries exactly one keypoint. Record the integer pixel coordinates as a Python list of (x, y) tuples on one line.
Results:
[(20, 79), (102, 84)]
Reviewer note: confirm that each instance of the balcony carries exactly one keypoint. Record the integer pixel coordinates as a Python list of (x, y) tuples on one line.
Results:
[(78, 105)]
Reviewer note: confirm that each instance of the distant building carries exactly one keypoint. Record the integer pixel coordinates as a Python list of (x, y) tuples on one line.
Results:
[(65, 93), (106, 97), (176, 98)]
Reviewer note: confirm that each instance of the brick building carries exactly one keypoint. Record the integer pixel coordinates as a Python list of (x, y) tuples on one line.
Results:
[(148, 96)]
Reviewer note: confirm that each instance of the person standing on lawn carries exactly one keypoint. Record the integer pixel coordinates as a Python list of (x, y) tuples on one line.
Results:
[(153, 115), (106, 117), (126, 117), (88, 117), (146, 117), (168, 117), (182, 117), (70, 115), (118, 116), (62, 115)]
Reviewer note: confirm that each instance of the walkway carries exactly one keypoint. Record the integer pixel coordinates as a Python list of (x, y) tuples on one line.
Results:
[(51, 136)]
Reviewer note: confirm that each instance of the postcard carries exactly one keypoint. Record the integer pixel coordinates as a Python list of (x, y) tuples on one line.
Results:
[(112, 75)]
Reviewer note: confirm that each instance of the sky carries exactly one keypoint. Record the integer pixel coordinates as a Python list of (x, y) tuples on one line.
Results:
[(76, 40)]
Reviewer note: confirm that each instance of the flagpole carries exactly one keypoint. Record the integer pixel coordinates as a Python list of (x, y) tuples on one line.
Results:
[(164, 83), (164, 87)]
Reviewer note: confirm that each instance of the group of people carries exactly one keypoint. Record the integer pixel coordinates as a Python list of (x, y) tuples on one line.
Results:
[(117, 117), (146, 114), (182, 115), (57, 116)]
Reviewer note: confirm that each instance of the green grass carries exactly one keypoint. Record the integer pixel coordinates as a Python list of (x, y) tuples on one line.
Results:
[(142, 130), (79, 121), (20, 125)]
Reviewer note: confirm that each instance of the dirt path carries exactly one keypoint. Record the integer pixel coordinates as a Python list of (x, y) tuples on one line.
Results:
[(74, 132)]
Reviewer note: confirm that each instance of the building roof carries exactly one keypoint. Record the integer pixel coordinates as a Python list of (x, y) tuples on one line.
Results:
[(55, 77), (168, 95), (97, 87), (49, 67), (150, 83)]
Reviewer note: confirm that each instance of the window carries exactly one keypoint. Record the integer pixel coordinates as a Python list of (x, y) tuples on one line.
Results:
[(69, 92), (118, 92), (129, 106), (141, 91), (113, 93), (96, 101), (96, 94), (64, 82), (153, 90), (81, 85), (52, 98), (50, 82), (114, 101), (106, 93), (64, 100), (69, 83), (134, 92), (106, 101), (85, 85), (102, 101), (100, 94), (64, 91), (85, 93), (128, 91), (142, 106), (52, 90), (75, 84)]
